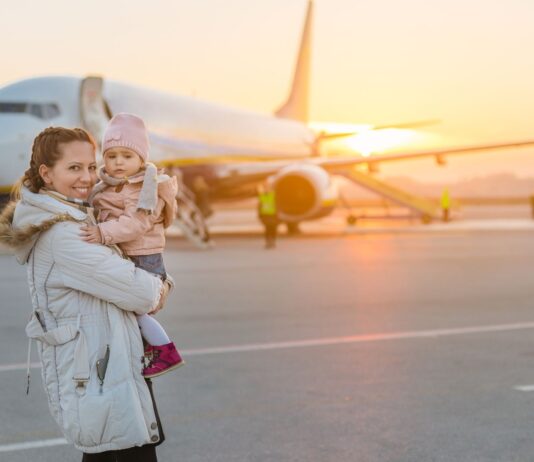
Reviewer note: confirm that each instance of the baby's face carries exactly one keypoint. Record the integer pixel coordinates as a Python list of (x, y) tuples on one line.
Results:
[(122, 162)]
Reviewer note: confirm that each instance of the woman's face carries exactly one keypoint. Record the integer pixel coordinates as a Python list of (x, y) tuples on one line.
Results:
[(74, 174)]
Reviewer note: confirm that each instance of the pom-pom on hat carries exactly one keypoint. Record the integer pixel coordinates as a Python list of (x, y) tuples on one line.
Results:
[(127, 131)]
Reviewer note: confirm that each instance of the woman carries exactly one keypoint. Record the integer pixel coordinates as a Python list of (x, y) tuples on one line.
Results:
[(85, 298)]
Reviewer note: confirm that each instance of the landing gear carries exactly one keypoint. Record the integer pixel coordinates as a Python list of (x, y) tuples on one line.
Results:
[(293, 228), (351, 219), (426, 219)]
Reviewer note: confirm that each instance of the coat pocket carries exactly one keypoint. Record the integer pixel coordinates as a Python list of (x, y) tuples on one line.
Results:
[(94, 411), (35, 330)]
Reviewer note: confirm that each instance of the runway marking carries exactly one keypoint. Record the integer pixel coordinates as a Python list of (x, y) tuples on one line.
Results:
[(296, 344), (359, 339), (18, 367), (33, 445), (524, 388), (325, 341)]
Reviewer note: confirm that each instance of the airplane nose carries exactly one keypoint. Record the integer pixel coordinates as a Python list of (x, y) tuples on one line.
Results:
[(16, 138)]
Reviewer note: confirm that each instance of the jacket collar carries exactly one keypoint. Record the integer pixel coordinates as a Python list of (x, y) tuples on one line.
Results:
[(72, 201), (53, 202), (21, 222)]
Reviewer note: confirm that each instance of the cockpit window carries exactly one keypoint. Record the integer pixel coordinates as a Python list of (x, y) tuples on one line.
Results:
[(14, 108), (41, 110), (36, 110), (52, 110)]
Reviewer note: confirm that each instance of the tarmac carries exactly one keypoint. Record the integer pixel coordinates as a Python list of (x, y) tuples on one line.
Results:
[(391, 345), (243, 223)]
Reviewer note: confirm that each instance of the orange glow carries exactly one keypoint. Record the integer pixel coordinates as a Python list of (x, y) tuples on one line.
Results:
[(367, 141), (370, 142), (358, 73)]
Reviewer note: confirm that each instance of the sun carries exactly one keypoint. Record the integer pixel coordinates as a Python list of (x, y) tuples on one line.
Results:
[(370, 142), (367, 141)]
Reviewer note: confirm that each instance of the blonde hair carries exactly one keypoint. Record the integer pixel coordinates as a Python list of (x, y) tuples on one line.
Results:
[(46, 151)]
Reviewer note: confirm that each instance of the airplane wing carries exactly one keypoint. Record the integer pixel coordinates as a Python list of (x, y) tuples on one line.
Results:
[(438, 154), (325, 136), (241, 173)]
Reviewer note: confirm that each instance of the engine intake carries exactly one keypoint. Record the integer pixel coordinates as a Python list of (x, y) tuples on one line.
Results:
[(303, 192), (295, 195)]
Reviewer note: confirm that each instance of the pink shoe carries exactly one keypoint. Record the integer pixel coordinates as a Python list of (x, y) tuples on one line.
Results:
[(165, 358)]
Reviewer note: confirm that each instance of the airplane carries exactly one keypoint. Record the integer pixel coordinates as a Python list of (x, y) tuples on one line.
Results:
[(221, 153)]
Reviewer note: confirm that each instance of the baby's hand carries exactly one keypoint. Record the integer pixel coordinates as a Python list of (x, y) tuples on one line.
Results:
[(91, 234)]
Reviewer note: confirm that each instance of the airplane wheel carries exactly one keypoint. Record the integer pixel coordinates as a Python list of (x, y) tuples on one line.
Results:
[(426, 219), (293, 228), (351, 220)]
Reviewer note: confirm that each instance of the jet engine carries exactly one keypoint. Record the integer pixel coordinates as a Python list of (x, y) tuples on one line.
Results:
[(303, 192)]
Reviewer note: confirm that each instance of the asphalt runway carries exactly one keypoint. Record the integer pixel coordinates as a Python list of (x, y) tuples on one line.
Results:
[(368, 347)]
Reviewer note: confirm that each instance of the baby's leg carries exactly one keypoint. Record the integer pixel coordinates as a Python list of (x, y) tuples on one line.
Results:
[(152, 331)]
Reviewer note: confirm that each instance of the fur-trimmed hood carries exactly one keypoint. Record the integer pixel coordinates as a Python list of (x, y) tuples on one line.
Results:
[(22, 221)]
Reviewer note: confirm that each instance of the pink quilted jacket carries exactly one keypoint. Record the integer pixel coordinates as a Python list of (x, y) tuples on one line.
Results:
[(136, 232)]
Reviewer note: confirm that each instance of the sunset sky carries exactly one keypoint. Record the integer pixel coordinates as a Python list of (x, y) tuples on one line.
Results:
[(466, 62)]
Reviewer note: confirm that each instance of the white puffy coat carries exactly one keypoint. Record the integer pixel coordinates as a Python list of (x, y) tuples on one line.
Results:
[(86, 297)]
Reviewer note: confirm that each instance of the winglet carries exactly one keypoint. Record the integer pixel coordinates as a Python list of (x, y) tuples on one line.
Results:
[(296, 106)]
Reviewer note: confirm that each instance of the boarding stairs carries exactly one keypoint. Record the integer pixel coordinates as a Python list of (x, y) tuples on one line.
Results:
[(190, 220), (426, 209)]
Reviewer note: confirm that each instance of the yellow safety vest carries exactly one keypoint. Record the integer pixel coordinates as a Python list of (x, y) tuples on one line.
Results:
[(445, 200), (267, 203)]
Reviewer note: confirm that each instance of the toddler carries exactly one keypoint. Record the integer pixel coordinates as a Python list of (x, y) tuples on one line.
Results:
[(134, 205)]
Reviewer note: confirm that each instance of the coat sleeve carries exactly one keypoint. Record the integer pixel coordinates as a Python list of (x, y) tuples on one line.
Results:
[(95, 269), (167, 191), (131, 225)]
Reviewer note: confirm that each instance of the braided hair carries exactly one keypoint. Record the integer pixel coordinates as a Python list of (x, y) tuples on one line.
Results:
[(46, 151)]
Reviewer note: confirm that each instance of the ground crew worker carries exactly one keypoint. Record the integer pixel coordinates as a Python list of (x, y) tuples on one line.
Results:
[(268, 215), (445, 205)]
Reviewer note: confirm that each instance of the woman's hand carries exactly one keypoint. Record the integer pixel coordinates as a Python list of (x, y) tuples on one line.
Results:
[(91, 234), (162, 298)]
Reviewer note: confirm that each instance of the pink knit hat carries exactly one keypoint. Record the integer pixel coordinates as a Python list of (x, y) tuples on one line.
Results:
[(127, 131)]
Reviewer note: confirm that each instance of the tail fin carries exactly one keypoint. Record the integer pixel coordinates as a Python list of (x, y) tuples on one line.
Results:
[(296, 106)]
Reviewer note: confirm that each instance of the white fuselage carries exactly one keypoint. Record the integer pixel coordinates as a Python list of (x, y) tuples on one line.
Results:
[(206, 129), (201, 132)]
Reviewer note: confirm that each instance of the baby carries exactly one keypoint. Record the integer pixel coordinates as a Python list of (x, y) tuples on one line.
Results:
[(134, 205)]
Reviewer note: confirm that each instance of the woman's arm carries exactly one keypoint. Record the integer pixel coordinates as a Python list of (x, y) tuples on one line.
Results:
[(96, 270)]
